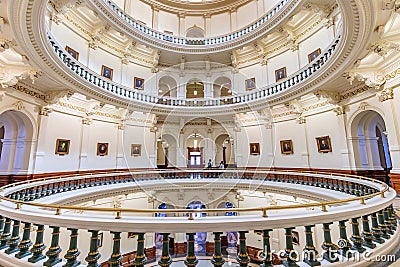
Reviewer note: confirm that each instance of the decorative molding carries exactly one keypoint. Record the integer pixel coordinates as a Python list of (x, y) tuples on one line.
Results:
[(29, 91), (385, 94), (339, 110), (86, 121), (10, 75), (382, 47), (19, 105), (45, 111), (369, 78), (358, 90), (332, 97), (301, 120)]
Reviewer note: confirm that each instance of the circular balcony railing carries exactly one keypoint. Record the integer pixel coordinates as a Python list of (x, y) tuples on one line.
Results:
[(357, 197), (82, 72)]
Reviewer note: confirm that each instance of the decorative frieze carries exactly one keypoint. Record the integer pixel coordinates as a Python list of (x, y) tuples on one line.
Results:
[(385, 94), (369, 78)]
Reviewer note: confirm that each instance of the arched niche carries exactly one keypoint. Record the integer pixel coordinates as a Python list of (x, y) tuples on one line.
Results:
[(224, 150), (167, 86), (195, 32), (194, 89), (222, 87), (166, 151)]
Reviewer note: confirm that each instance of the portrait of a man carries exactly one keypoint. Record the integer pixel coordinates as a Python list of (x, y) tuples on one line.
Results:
[(107, 72), (324, 144), (72, 52), (254, 148), (286, 147), (62, 147), (136, 150), (250, 84), (139, 83), (313, 55), (280, 73), (102, 149)]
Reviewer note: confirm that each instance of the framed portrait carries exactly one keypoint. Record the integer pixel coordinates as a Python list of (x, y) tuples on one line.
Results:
[(100, 240), (62, 146), (102, 149), (107, 72), (314, 54), (250, 84), (136, 150), (280, 74), (286, 147), (295, 238), (168, 32), (138, 83), (324, 144), (72, 52), (254, 148)]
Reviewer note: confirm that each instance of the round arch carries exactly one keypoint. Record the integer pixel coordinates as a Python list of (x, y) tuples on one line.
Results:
[(167, 86), (195, 88), (167, 146), (224, 150), (222, 87)]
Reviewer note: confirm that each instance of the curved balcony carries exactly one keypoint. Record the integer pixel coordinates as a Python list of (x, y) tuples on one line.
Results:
[(351, 198), (184, 44), (105, 85)]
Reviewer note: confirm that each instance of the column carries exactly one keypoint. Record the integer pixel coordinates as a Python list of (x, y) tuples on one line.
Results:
[(346, 156), (156, 11), (14, 240), (328, 246), (366, 234), (243, 258), (376, 231), (73, 252), (207, 24), (310, 251), (191, 259), (217, 259), (233, 19), (181, 18), (42, 141), (54, 249), (267, 261), (5, 236), (25, 243), (8, 148), (344, 243), (289, 251), (120, 160), (165, 260), (38, 247), (115, 260), (94, 254), (85, 136), (140, 259)]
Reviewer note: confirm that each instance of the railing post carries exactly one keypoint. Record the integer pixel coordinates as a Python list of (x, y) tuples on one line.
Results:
[(355, 237), (366, 234), (344, 243), (267, 260), (328, 246), (310, 251), (54, 249), (289, 251), (5, 236), (73, 252), (14, 240), (115, 259), (165, 260), (94, 254), (191, 259), (382, 225), (217, 259), (140, 258), (25, 243), (243, 258), (38, 247), (388, 221), (376, 231)]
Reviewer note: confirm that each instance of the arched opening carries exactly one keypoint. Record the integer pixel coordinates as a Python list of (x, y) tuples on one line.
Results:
[(166, 151), (195, 32), (195, 149), (370, 145), (224, 150), (222, 87), (167, 86), (195, 89), (16, 142), (200, 238)]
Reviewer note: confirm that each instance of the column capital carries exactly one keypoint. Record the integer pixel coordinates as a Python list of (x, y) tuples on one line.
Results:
[(385, 94)]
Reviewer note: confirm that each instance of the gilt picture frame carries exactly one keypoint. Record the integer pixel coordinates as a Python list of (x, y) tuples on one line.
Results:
[(254, 149), (280, 74), (286, 147), (324, 144), (62, 147), (102, 149), (107, 72), (250, 84), (136, 150), (314, 54), (72, 52), (138, 83)]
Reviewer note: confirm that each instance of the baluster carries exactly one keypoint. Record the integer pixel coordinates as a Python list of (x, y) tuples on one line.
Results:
[(38, 247), (267, 260), (243, 258), (5, 236), (191, 259), (376, 231), (140, 258), (366, 234), (355, 237), (388, 222), (392, 217), (1, 224), (115, 260), (328, 255), (344, 243), (290, 253), (14, 240), (310, 251), (73, 252), (94, 254), (25, 243), (382, 225), (54, 249), (217, 259), (165, 260)]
